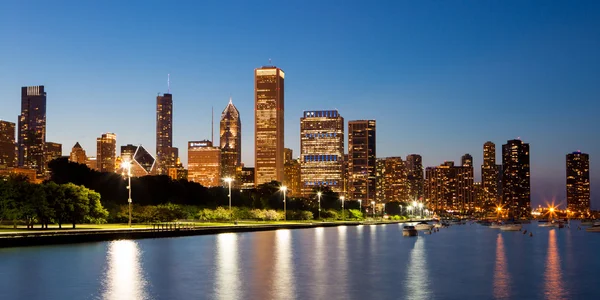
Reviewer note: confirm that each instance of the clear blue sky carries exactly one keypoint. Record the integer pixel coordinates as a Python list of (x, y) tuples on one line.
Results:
[(440, 77)]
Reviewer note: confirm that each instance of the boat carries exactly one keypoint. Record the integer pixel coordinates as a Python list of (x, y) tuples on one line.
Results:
[(409, 231), (423, 226), (545, 224), (594, 228), (441, 225), (511, 227), (496, 225)]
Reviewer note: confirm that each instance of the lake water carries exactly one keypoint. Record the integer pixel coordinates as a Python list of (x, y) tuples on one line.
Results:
[(349, 262)]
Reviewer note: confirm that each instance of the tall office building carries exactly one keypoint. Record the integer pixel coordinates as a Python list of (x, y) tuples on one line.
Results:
[(516, 186), (246, 178), (578, 182), (106, 152), (32, 128), (467, 160), (268, 124), (490, 176), (77, 154), (361, 161), (392, 183), (231, 141), (52, 151), (292, 178), (204, 163), (164, 133), (8, 147), (288, 155), (321, 151), (414, 174), (449, 187), (142, 162)]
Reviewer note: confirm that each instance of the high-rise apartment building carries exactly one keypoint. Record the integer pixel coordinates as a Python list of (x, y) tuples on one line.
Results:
[(321, 151), (106, 152), (231, 141), (8, 147), (516, 186), (578, 182), (449, 187), (414, 174), (288, 155), (164, 133), (361, 161), (467, 160), (77, 154), (268, 124), (392, 180), (204, 163), (52, 151), (32, 128), (490, 176), (380, 178)]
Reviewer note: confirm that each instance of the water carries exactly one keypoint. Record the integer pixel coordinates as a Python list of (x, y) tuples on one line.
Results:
[(364, 262)]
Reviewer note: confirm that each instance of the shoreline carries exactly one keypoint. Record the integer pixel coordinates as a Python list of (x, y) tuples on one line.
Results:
[(57, 237)]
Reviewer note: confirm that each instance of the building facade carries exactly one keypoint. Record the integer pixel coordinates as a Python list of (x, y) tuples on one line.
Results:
[(578, 182), (246, 178), (392, 180), (8, 146), (321, 151), (292, 178), (52, 151), (204, 163), (490, 177), (414, 174), (269, 125), (32, 128), (164, 133), (142, 162), (106, 152), (230, 141), (77, 154), (516, 186), (449, 188), (361, 161)]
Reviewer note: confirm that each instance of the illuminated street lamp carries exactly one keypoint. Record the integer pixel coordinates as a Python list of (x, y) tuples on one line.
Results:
[(284, 189), (360, 205), (127, 165), (400, 209), (319, 197), (229, 180), (343, 213), (373, 205)]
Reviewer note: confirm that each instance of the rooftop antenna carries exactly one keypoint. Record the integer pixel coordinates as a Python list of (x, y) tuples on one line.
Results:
[(169, 83)]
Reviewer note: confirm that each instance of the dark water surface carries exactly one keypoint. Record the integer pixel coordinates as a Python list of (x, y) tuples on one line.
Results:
[(349, 262)]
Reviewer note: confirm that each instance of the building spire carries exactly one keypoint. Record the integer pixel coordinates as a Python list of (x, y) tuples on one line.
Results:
[(169, 83)]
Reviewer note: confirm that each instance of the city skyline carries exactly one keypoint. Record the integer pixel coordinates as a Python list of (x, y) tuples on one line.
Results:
[(412, 97)]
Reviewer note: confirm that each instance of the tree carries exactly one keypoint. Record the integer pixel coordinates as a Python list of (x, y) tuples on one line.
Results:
[(77, 204), (97, 213)]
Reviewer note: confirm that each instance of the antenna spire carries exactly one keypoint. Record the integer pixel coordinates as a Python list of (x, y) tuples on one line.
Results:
[(169, 83)]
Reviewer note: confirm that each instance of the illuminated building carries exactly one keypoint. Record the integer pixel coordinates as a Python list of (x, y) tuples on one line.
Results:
[(8, 147), (106, 152), (392, 182), (165, 156), (467, 160), (449, 187), (490, 176), (231, 141), (268, 126), (52, 151), (246, 178), (142, 162), (516, 187), (77, 154), (478, 196), (361, 161), (204, 163), (414, 174), (92, 163), (287, 155), (291, 178), (321, 151), (32, 128), (578, 182)]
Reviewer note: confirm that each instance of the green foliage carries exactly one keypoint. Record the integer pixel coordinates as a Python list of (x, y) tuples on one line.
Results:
[(330, 214), (355, 214)]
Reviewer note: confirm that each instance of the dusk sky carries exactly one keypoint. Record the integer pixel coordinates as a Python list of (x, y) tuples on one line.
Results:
[(440, 77)]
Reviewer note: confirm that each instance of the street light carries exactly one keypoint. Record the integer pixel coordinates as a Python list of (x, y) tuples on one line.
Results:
[(319, 196), (229, 180), (421, 208), (400, 209), (284, 189), (360, 206), (373, 206), (343, 213), (127, 165)]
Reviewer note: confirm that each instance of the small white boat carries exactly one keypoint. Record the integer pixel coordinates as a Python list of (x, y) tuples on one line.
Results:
[(409, 231), (496, 225), (545, 224), (423, 226), (511, 227)]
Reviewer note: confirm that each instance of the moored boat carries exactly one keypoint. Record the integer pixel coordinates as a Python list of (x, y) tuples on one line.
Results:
[(423, 226), (409, 231), (496, 225), (511, 227)]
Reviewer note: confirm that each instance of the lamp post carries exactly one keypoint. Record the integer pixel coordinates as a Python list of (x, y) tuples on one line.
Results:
[(400, 209), (421, 208), (229, 180), (127, 165), (284, 189), (343, 213), (373, 206), (319, 197), (360, 206)]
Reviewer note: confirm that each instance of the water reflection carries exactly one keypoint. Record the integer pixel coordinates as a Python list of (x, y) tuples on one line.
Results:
[(341, 255), (553, 279), (228, 277), (418, 279), (124, 278), (319, 264), (283, 277), (501, 276)]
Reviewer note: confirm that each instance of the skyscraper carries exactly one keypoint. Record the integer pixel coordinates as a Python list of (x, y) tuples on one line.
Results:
[(268, 124), (578, 182), (77, 154), (467, 160), (231, 141), (8, 153), (106, 152), (490, 176), (516, 186), (32, 128), (321, 150), (142, 162), (414, 174), (164, 133), (361, 160), (450, 187), (204, 163), (292, 178), (392, 179), (52, 151)]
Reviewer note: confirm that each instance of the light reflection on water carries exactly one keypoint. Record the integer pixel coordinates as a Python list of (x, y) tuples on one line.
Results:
[(501, 276), (228, 275), (319, 264), (283, 275), (554, 289), (124, 277), (417, 277)]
